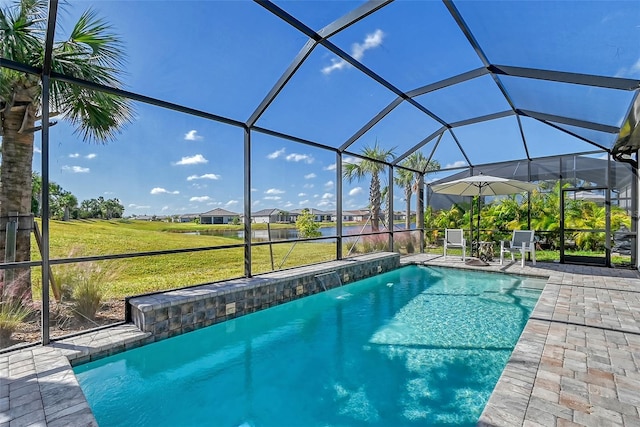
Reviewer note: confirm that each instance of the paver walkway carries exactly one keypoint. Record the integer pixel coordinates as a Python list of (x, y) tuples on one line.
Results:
[(576, 363)]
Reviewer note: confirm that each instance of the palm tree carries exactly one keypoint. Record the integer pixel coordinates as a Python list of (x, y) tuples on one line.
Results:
[(410, 182), (371, 165), (404, 179), (91, 53)]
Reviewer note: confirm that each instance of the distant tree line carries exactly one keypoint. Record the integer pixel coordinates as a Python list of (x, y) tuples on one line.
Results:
[(63, 204)]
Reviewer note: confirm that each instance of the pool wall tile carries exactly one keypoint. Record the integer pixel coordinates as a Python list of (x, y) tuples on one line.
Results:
[(174, 312)]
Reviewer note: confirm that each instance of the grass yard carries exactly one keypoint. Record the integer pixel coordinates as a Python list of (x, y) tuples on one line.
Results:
[(133, 276)]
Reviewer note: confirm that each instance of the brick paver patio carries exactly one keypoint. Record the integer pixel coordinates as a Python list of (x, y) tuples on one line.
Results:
[(577, 361)]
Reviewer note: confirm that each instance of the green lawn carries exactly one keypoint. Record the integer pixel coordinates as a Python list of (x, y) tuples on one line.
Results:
[(151, 273)]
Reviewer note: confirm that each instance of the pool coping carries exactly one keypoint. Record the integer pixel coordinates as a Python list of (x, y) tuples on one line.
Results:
[(569, 367)]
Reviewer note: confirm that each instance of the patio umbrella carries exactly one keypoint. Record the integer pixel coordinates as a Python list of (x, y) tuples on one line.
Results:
[(482, 185)]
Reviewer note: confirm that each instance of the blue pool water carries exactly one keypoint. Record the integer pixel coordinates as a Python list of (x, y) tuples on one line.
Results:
[(416, 346)]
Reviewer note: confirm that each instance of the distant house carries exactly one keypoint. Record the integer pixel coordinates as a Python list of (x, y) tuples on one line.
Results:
[(188, 217), (318, 215), (360, 215), (218, 216), (272, 216)]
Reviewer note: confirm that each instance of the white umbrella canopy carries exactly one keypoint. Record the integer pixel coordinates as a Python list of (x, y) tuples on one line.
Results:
[(483, 185)]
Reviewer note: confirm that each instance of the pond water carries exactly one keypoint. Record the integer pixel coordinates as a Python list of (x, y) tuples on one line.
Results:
[(279, 234)]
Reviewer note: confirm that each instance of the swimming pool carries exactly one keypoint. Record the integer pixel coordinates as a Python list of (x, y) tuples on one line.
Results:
[(415, 346)]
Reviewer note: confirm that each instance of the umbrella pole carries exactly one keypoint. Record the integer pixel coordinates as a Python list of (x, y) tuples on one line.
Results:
[(478, 224), (471, 226)]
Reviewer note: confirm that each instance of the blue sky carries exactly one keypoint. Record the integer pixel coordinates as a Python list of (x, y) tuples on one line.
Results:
[(224, 56)]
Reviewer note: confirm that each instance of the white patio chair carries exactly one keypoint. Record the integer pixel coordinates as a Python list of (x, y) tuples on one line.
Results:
[(522, 242), (454, 238)]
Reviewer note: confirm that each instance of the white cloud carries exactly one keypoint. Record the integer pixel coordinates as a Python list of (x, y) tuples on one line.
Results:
[(307, 186), (272, 197), (36, 149), (164, 208), (74, 155), (326, 203), (91, 156), (303, 202), (295, 157), (255, 203), (205, 176), (193, 160), (276, 154), (371, 41), (630, 72), (231, 203), (160, 190), (331, 167), (274, 191), (456, 164), (328, 185), (254, 189), (310, 176), (326, 196), (302, 194), (288, 205), (355, 191), (200, 199), (134, 206), (75, 169), (352, 160), (192, 135)]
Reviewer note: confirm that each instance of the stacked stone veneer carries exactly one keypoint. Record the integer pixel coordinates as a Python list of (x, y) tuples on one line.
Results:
[(175, 312)]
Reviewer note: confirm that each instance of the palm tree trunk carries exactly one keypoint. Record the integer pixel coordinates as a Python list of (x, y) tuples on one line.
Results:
[(420, 204), (15, 191), (407, 196), (374, 199)]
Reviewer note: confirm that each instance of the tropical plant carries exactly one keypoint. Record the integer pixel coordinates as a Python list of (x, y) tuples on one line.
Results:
[(373, 164), (91, 52), (306, 225), (452, 218)]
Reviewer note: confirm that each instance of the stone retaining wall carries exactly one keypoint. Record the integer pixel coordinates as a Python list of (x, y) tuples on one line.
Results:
[(175, 312)]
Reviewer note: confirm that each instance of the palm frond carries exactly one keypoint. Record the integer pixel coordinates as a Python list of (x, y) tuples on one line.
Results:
[(97, 116), (22, 29)]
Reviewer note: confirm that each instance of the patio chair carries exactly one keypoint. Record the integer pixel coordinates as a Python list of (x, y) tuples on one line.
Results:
[(522, 242), (454, 238)]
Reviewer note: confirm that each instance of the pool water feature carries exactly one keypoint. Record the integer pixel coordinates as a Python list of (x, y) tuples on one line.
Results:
[(415, 346)]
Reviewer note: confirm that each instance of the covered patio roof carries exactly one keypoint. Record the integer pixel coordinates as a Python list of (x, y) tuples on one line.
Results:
[(451, 79)]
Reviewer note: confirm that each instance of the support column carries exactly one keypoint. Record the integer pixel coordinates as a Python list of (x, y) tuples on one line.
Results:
[(45, 210), (420, 210), (247, 202), (390, 208), (339, 205)]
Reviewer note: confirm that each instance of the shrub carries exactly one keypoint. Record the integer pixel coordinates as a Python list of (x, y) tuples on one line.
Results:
[(376, 243), (14, 309), (83, 286)]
